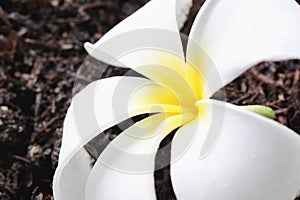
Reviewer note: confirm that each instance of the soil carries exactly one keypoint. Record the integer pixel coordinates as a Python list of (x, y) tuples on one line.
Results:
[(41, 49)]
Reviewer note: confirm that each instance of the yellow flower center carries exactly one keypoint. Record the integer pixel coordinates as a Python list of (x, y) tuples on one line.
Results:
[(177, 85)]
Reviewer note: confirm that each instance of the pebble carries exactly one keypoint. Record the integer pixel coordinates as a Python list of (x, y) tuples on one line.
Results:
[(4, 108), (55, 3)]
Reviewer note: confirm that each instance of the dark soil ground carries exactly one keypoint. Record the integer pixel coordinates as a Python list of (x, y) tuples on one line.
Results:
[(41, 49)]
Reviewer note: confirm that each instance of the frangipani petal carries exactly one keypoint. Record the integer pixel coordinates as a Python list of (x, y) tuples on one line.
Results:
[(71, 174), (151, 45), (164, 68), (153, 26), (253, 157), (99, 106), (149, 42), (239, 34), (125, 168)]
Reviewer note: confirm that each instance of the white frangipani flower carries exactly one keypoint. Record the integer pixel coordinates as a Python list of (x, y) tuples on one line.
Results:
[(220, 151)]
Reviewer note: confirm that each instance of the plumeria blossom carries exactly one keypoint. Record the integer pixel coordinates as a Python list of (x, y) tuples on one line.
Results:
[(219, 151)]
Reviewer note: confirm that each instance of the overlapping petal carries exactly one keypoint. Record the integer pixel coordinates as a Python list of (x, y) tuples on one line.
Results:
[(127, 164), (169, 15), (73, 166), (253, 158), (138, 31), (150, 45), (99, 106), (238, 34)]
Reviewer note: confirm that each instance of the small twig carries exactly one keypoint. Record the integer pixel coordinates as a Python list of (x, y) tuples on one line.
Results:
[(255, 94), (21, 159), (296, 79), (42, 43), (261, 77), (281, 111), (91, 5)]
